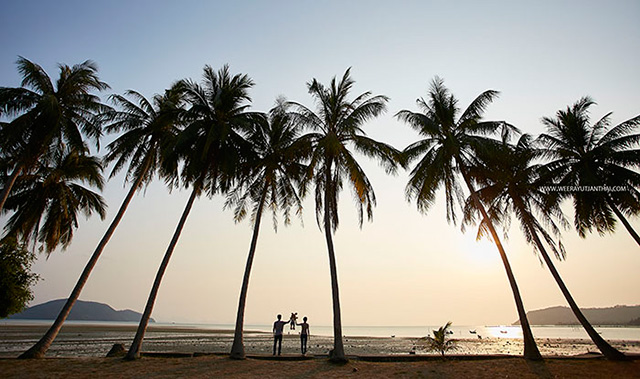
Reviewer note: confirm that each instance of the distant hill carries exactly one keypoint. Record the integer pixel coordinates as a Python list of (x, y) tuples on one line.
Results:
[(81, 311), (618, 315)]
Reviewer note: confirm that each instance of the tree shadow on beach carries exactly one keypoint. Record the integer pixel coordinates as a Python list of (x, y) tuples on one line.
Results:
[(539, 369)]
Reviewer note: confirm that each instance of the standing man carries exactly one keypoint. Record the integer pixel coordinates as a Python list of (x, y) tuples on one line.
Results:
[(304, 335), (278, 327)]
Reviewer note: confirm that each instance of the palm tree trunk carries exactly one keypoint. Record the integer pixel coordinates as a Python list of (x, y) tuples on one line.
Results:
[(237, 349), (337, 355), (40, 348), (609, 351), (624, 221), (531, 351), (8, 185), (134, 350)]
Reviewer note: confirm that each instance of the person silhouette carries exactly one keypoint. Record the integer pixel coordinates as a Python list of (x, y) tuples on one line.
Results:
[(293, 320), (304, 335), (278, 327)]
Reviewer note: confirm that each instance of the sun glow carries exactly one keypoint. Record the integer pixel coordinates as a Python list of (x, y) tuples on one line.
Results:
[(480, 252)]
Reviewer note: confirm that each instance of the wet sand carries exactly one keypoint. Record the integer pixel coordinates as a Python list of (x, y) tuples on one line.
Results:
[(96, 340), (79, 352)]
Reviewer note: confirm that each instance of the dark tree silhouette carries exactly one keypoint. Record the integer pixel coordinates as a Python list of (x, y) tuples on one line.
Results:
[(448, 150), (596, 165), (45, 116), (336, 127), (269, 180)]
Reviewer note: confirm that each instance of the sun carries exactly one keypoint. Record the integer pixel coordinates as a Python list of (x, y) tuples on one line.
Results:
[(480, 252)]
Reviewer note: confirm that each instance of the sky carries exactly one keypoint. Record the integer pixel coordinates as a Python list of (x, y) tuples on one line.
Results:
[(404, 268)]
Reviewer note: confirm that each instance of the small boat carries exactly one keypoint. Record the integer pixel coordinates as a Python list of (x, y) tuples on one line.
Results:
[(472, 331), (503, 331)]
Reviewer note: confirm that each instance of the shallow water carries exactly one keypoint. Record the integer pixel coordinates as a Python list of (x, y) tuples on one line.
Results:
[(459, 332), (95, 339)]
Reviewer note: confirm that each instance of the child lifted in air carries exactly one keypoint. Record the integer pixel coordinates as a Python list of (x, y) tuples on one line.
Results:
[(293, 319)]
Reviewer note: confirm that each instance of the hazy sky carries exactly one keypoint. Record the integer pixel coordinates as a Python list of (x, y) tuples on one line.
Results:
[(404, 268)]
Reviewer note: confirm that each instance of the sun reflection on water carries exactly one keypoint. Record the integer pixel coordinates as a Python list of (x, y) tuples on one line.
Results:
[(504, 331)]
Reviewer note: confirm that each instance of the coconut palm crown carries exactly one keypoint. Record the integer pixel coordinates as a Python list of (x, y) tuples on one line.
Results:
[(149, 129), (510, 182), (597, 165), (46, 203), (212, 145), (46, 115)]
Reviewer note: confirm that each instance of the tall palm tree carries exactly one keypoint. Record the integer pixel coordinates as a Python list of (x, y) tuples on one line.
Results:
[(511, 183), (591, 161), (450, 145), (336, 126), (148, 127), (47, 115), (211, 147), (46, 203), (270, 181)]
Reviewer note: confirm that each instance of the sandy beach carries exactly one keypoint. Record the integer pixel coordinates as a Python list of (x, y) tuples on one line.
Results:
[(80, 350), (222, 366)]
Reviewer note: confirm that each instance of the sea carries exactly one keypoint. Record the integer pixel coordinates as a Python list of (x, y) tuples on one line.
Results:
[(459, 332), (627, 333)]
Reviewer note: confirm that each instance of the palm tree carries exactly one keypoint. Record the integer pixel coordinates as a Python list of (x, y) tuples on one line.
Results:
[(591, 161), (449, 147), (440, 341), (46, 203), (269, 181), (511, 183), (336, 127), (211, 148), (47, 115), (148, 128)]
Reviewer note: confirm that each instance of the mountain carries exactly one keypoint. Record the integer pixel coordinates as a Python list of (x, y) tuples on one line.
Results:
[(618, 315), (81, 311)]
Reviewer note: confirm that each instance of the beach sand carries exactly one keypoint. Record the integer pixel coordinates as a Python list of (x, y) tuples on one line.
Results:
[(79, 351), (222, 366)]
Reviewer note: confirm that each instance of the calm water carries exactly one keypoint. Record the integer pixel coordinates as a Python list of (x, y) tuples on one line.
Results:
[(563, 332), (459, 332)]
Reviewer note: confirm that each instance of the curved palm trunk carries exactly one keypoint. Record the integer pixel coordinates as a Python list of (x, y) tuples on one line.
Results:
[(624, 221), (607, 350), (531, 351), (8, 185), (237, 349), (134, 350), (40, 348), (337, 355)]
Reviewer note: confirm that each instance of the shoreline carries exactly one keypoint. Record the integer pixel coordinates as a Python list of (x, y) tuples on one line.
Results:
[(95, 340), (80, 350)]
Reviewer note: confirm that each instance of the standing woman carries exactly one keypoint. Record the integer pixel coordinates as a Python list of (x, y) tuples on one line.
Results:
[(304, 335)]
